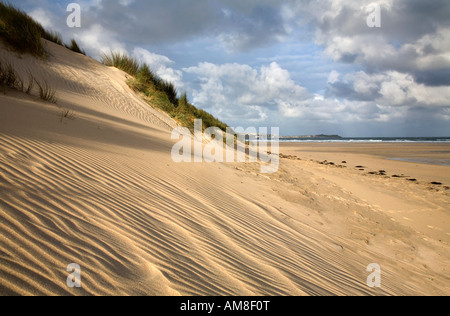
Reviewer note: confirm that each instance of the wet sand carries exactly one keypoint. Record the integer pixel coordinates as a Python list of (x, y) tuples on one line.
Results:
[(395, 158)]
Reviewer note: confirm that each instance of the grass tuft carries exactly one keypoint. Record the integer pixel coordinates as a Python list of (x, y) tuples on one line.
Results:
[(75, 47), (121, 61), (67, 115), (46, 93), (8, 76), (52, 36)]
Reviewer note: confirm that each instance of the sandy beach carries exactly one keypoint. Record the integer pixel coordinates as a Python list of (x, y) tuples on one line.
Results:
[(100, 190), (384, 175)]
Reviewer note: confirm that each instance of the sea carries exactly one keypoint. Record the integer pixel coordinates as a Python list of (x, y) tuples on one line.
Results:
[(367, 140), (441, 161)]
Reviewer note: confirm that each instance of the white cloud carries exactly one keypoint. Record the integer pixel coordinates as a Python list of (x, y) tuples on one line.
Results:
[(255, 95), (387, 97), (97, 40), (233, 91), (432, 50), (243, 88), (413, 37), (42, 17), (365, 84), (333, 77), (396, 89)]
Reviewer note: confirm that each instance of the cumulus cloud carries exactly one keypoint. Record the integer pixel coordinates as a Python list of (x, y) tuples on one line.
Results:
[(237, 92), (414, 36), (43, 17), (239, 25), (97, 40), (245, 89), (389, 88)]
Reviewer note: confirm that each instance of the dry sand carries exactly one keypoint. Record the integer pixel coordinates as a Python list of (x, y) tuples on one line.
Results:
[(101, 190)]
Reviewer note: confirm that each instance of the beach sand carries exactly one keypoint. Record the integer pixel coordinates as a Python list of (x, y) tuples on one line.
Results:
[(101, 190), (410, 191)]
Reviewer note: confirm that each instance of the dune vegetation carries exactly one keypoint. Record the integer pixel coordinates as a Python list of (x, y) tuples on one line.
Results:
[(9, 78), (23, 34), (160, 93), (75, 47)]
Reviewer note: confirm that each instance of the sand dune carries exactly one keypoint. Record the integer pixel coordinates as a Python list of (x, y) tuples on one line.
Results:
[(101, 190)]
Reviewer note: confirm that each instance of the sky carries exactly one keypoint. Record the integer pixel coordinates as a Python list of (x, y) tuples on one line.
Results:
[(360, 68)]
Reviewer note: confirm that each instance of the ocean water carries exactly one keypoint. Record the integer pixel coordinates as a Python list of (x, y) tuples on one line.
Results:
[(426, 161), (369, 140)]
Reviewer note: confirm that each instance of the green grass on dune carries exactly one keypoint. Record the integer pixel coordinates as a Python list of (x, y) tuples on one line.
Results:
[(75, 47), (160, 93), (121, 61), (24, 34), (20, 31)]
